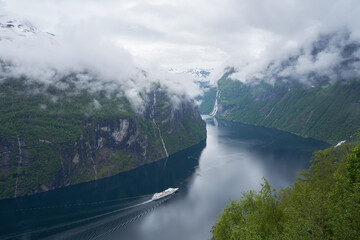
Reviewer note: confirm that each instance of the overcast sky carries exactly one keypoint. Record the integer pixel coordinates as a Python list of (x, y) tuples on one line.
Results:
[(192, 33)]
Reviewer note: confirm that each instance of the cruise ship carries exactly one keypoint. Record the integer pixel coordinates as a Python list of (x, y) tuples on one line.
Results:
[(165, 193)]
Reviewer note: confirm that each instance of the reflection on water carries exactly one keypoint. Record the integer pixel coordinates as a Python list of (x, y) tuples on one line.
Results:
[(69, 211), (235, 158)]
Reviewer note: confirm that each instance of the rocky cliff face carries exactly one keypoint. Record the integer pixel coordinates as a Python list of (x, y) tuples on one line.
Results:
[(43, 150)]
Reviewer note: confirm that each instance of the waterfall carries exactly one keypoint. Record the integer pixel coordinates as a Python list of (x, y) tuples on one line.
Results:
[(19, 165), (90, 154), (153, 108), (163, 143), (154, 121), (215, 109)]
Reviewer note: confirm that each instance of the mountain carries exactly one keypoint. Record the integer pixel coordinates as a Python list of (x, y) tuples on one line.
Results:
[(322, 103), (199, 73), (207, 101), (201, 78), (51, 137), (66, 125), (11, 29)]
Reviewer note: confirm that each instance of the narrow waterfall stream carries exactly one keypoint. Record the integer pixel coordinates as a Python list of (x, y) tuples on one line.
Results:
[(154, 120), (19, 165), (215, 109)]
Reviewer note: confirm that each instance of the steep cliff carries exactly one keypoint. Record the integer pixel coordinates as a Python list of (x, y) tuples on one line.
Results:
[(51, 137)]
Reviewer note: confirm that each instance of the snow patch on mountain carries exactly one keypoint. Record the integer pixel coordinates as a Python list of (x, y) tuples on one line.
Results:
[(200, 73), (11, 29)]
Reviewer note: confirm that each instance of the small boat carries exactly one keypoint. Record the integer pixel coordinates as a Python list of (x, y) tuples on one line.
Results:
[(165, 193)]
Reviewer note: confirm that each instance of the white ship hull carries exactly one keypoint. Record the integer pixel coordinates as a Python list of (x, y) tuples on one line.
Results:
[(165, 193)]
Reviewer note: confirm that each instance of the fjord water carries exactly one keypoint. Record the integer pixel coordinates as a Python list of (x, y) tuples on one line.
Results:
[(234, 158)]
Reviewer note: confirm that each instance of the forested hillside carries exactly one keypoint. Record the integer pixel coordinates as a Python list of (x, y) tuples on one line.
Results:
[(329, 111), (52, 137), (323, 203)]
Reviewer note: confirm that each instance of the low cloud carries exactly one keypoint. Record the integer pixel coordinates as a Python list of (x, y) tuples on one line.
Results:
[(330, 57), (257, 37), (96, 63)]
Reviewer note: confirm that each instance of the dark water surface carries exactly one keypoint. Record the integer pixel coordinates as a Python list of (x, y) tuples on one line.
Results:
[(234, 158)]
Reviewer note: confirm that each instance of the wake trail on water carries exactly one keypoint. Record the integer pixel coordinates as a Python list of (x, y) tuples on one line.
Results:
[(78, 204), (116, 227), (97, 226), (78, 222)]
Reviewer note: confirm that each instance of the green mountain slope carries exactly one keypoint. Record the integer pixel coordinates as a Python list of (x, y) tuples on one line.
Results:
[(207, 101), (52, 137), (329, 112)]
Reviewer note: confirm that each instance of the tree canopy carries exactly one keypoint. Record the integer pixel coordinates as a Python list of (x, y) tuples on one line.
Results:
[(323, 203)]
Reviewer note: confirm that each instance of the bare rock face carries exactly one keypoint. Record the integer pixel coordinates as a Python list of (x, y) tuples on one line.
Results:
[(120, 133), (76, 159)]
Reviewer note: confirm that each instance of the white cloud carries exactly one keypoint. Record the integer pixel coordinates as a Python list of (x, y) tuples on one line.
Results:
[(111, 37), (45, 58)]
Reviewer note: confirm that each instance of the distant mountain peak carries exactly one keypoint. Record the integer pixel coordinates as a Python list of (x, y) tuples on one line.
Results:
[(12, 29), (200, 72)]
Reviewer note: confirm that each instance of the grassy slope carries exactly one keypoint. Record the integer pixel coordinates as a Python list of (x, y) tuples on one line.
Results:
[(207, 101), (330, 113)]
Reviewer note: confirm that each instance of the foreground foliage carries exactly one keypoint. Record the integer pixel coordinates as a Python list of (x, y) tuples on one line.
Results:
[(323, 203)]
